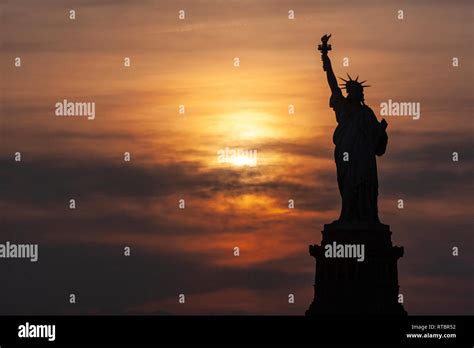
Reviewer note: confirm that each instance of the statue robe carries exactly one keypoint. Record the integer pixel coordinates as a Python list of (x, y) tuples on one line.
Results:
[(361, 137)]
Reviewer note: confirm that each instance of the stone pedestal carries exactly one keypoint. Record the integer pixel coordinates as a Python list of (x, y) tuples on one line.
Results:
[(345, 286)]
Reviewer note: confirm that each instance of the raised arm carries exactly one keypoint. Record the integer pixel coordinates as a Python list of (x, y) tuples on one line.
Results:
[(332, 81)]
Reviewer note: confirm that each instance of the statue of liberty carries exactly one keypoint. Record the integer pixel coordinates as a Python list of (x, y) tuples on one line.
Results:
[(358, 137)]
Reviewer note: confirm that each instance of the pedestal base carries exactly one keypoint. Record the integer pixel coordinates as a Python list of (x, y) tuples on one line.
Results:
[(349, 284)]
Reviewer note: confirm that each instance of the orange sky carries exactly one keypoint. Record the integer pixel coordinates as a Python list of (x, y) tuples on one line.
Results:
[(190, 62)]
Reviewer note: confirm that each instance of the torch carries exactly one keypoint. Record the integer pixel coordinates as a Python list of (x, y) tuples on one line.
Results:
[(324, 47)]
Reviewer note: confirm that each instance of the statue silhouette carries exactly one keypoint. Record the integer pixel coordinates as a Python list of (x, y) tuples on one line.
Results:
[(343, 285), (358, 137)]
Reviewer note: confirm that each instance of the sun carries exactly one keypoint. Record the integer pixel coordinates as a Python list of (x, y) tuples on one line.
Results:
[(241, 161)]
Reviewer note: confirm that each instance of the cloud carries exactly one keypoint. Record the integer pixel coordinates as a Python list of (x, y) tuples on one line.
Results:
[(106, 282)]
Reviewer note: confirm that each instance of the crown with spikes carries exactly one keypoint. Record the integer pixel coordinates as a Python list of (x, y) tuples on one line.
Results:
[(349, 84)]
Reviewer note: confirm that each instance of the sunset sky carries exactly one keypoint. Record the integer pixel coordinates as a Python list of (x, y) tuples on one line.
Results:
[(174, 156)]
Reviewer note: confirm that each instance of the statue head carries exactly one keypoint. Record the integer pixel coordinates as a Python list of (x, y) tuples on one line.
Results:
[(354, 89)]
